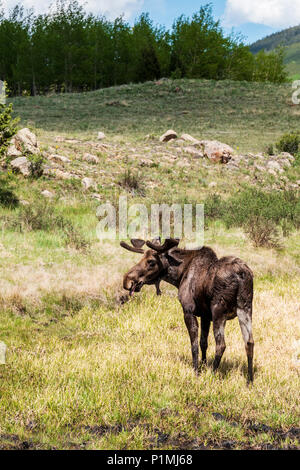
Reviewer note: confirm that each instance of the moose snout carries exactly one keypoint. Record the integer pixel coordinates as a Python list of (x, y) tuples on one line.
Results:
[(129, 280)]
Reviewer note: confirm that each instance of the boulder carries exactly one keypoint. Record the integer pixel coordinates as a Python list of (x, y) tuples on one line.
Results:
[(21, 165), (88, 183), (167, 136), (88, 157), (101, 136), (189, 138), (216, 151), (59, 158), (275, 166), (47, 194), (193, 151), (23, 141)]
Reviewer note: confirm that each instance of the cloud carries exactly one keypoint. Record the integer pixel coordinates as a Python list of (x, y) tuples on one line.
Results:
[(274, 13), (110, 8)]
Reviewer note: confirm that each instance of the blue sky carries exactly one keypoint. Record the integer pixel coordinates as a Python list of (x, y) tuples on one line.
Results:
[(253, 18)]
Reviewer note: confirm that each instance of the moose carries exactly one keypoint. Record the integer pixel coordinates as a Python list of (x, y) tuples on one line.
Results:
[(216, 290)]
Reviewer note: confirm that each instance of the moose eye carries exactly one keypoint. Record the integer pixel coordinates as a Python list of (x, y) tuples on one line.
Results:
[(151, 263)]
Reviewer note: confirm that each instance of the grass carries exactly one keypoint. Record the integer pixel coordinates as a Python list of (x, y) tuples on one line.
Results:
[(84, 369), (247, 115)]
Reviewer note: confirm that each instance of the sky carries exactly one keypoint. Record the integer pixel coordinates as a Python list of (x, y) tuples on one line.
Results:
[(253, 18)]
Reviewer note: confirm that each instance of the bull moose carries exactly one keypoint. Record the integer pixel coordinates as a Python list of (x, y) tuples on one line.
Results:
[(216, 290)]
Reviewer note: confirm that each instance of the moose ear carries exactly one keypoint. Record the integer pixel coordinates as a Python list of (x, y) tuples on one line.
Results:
[(137, 243), (174, 257)]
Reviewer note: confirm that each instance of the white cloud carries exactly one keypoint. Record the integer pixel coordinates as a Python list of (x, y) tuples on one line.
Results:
[(110, 8), (274, 13)]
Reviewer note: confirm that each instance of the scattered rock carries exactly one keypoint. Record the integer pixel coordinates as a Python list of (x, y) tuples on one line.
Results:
[(59, 158), (97, 196), (275, 166), (23, 202), (189, 138), (146, 162), (47, 194), (59, 174), (193, 151), (72, 141), (23, 141), (213, 184), (88, 183), (21, 165), (88, 157), (59, 138), (216, 151), (167, 136), (101, 136)]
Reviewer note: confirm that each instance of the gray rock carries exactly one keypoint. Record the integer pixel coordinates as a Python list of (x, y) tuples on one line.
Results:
[(216, 151), (101, 136), (88, 157), (88, 183), (189, 138), (21, 165), (59, 158), (167, 136)]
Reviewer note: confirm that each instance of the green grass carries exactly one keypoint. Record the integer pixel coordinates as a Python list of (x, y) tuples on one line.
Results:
[(85, 370), (245, 115)]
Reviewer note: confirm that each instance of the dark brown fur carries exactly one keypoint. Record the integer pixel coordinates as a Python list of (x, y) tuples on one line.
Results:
[(216, 290)]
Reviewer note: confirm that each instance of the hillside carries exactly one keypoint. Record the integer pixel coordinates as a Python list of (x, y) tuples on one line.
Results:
[(89, 368), (290, 39)]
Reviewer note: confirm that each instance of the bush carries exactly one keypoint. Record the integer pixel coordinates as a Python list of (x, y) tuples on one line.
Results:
[(8, 126), (262, 232), (7, 196), (36, 165), (289, 143), (42, 216), (131, 182)]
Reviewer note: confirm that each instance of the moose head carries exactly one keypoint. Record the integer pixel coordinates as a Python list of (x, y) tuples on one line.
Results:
[(151, 267)]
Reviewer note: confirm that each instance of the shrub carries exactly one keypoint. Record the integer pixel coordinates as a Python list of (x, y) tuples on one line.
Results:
[(8, 126), (289, 143), (36, 165), (42, 216), (7, 196), (262, 232), (131, 182)]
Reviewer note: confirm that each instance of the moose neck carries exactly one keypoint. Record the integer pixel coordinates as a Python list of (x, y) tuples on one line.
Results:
[(174, 272)]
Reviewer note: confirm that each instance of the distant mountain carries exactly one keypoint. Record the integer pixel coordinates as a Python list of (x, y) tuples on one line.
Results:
[(290, 39)]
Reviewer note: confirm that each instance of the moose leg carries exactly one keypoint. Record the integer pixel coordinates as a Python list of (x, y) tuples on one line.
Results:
[(158, 291), (192, 326), (205, 325), (219, 329), (245, 319)]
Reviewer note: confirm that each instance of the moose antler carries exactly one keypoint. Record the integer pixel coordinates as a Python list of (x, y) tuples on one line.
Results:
[(136, 248), (169, 243)]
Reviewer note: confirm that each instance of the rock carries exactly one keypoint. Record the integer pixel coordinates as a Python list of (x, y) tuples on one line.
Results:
[(47, 194), (275, 166), (193, 151), (59, 174), (23, 142), (189, 138), (88, 157), (21, 165), (288, 156), (259, 167), (213, 184), (146, 162), (88, 183), (167, 136), (59, 138), (59, 158), (97, 196), (216, 151), (23, 202), (101, 136)]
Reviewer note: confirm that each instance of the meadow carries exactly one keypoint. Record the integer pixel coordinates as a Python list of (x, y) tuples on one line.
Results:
[(88, 369)]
